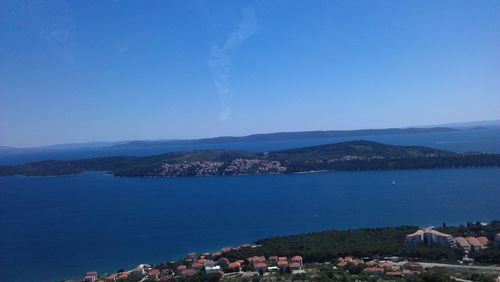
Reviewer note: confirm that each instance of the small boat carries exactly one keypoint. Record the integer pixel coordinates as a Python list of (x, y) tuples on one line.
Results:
[(393, 182)]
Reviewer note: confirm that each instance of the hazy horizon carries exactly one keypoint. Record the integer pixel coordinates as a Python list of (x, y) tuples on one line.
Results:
[(456, 124), (82, 71)]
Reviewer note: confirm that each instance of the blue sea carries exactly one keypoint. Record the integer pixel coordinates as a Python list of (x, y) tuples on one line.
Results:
[(53, 228)]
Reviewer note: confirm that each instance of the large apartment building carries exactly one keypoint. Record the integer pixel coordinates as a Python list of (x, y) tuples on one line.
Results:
[(428, 236)]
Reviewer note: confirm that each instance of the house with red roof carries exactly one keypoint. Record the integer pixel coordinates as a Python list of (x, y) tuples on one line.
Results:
[(394, 273), (154, 273), (474, 242), (234, 267), (407, 272), (90, 276), (273, 260), (122, 275), (357, 261), (179, 269), (428, 236), (483, 240), (297, 259), (139, 271), (112, 277), (386, 265), (260, 266), (294, 266), (197, 266), (342, 264), (462, 242), (282, 264), (374, 270), (188, 272)]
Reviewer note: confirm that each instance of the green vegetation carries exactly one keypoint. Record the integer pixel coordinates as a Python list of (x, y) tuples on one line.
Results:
[(488, 256), (364, 242), (353, 155)]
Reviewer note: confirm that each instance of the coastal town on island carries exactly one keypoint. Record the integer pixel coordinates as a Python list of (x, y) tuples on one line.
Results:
[(226, 265)]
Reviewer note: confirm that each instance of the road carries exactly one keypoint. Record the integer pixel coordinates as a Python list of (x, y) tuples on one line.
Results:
[(459, 266)]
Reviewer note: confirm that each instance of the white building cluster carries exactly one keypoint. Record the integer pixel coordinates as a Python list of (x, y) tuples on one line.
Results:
[(429, 236)]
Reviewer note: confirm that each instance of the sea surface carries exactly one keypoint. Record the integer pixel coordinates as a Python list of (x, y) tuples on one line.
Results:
[(60, 227), (53, 228)]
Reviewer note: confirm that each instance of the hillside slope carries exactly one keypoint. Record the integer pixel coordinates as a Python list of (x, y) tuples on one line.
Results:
[(352, 155)]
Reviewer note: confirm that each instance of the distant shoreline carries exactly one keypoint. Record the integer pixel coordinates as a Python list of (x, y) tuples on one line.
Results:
[(344, 156)]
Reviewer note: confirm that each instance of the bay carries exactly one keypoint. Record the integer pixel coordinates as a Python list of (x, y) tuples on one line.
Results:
[(59, 227)]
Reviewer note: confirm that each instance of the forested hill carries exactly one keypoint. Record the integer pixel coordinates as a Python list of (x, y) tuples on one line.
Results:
[(352, 155), (280, 136)]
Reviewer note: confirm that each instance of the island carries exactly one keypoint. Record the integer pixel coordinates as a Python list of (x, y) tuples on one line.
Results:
[(344, 156)]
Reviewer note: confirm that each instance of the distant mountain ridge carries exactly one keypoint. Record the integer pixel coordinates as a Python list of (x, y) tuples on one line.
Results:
[(277, 136), (351, 155)]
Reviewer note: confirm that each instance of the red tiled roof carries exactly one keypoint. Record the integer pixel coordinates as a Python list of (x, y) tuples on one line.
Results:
[(181, 267), (410, 272), (122, 275), (189, 272), (260, 265), (462, 242), (373, 269), (257, 259), (483, 240), (371, 263), (91, 273), (154, 272), (473, 241), (386, 265), (283, 258), (357, 261), (394, 273), (196, 265), (416, 233), (282, 263), (297, 258), (112, 276), (342, 264), (234, 265)]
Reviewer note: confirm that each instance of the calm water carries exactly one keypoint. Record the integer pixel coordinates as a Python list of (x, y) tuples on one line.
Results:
[(59, 227)]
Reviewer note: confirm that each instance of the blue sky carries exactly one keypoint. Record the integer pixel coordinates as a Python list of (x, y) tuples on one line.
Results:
[(80, 71)]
